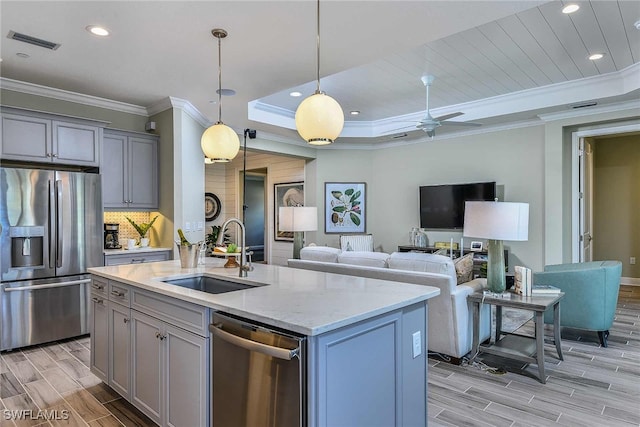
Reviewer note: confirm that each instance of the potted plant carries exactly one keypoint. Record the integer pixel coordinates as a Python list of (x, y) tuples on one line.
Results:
[(142, 230), (212, 237)]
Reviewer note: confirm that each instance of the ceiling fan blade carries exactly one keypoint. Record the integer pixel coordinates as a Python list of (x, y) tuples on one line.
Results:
[(470, 124), (403, 128), (449, 116)]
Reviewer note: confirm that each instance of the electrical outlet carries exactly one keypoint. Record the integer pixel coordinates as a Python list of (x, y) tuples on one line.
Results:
[(417, 344), (632, 260), (200, 225)]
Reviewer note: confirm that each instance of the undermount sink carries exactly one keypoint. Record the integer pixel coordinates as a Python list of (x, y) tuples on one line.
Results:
[(208, 284)]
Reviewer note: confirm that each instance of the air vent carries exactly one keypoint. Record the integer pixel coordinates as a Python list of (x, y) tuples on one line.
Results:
[(33, 40), (585, 104)]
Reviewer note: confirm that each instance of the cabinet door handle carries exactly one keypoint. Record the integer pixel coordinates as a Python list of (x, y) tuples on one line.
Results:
[(160, 336), (97, 287), (54, 155), (97, 300), (125, 320), (117, 294), (134, 260)]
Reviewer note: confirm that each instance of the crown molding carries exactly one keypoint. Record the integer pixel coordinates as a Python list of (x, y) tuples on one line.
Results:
[(181, 104), (65, 95)]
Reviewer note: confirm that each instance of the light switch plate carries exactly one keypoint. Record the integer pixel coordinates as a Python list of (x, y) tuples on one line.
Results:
[(417, 344), (187, 226)]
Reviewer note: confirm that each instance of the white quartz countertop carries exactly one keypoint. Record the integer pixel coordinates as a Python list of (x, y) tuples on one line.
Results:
[(137, 250), (303, 301)]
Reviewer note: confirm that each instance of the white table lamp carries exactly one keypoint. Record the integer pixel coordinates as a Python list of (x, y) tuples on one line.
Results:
[(496, 221), (298, 219)]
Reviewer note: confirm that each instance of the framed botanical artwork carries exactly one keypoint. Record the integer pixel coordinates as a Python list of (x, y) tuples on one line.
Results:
[(286, 194), (344, 205)]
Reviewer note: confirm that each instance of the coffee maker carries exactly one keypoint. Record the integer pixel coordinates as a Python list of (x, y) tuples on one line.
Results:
[(111, 236)]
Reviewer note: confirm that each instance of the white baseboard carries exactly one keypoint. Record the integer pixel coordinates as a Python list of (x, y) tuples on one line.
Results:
[(633, 281)]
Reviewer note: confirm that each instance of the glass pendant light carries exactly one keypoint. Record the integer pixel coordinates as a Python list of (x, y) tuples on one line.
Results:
[(219, 142), (319, 118)]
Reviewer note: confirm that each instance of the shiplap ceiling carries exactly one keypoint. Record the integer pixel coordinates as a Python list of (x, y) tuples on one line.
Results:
[(496, 61)]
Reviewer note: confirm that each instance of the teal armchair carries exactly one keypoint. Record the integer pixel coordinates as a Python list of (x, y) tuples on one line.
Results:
[(591, 294)]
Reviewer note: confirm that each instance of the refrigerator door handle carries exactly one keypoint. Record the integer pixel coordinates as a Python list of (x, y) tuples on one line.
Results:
[(51, 212), (48, 285), (58, 223)]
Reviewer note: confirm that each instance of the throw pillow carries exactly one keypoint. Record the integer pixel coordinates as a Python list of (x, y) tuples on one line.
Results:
[(464, 268)]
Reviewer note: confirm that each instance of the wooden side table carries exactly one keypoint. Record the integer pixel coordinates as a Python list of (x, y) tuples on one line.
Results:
[(515, 346)]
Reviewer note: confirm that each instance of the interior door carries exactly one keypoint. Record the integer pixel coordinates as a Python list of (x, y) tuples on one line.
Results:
[(586, 200)]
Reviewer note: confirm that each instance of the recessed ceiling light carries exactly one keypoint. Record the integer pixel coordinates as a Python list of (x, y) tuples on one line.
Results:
[(22, 55), (596, 56), (570, 8), (637, 24), (295, 94), (97, 30), (354, 112)]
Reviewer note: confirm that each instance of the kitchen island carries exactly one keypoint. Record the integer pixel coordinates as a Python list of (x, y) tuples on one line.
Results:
[(363, 360)]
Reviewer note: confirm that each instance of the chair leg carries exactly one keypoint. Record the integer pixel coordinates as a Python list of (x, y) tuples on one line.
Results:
[(603, 335)]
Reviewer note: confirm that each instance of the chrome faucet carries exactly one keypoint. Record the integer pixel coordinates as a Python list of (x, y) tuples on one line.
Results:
[(244, 267)]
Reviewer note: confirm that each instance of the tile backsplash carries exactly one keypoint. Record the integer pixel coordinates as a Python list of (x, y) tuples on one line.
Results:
[(126, 230)]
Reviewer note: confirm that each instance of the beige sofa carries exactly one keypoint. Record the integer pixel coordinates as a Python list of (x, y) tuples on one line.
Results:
[(450, 316)]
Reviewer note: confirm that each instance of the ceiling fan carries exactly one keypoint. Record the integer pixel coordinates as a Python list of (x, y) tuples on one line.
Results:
[(430, 123)]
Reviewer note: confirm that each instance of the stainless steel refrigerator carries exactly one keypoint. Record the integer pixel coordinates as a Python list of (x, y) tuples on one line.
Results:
[(50, 233)]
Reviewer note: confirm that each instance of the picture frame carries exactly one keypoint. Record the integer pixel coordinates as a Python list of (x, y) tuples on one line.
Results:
[(286, 194), (345, 207), (476, 246)]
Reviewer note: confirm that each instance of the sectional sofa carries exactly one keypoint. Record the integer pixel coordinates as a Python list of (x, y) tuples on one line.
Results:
[(449, 315)]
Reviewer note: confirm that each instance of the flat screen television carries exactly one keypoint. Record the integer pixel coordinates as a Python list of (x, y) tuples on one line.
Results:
[(442, 206)]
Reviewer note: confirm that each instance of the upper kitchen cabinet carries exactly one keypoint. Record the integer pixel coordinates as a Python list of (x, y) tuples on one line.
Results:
[(129, 170), (48, 138)]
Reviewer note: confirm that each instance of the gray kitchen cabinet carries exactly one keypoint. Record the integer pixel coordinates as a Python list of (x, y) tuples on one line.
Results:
[(146, 364), (41, 137), (368, 365), (120, 348), (99, 328), (138, 256), (129, 170), (168, 358)]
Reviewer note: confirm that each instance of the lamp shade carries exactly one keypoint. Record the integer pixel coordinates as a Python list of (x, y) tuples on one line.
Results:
[(496, 220), (220, 143), (298, 218), (319, 119)]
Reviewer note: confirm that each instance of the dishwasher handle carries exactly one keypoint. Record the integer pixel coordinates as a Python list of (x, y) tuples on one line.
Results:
[(278, 352)]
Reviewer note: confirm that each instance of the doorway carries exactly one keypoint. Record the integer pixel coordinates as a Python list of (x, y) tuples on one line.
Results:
[(582, 211), (606, 164), (254, 212)]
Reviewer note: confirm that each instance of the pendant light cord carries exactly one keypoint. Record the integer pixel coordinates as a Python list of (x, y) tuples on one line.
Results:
[(318, 47), (219, 81)]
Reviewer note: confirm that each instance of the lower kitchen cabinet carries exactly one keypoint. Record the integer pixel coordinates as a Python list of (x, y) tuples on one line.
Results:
[(120, 349), (99, 320), (138, 257), (169, 368), (159, 367)]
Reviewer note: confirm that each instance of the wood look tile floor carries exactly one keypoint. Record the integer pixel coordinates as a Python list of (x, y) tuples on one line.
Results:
[(593, 386), (51, 382)]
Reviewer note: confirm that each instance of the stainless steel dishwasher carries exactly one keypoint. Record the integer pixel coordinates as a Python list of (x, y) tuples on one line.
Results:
[(258, 375)]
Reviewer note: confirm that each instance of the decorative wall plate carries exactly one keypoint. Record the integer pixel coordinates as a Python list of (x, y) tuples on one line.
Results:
[(212, 206)]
